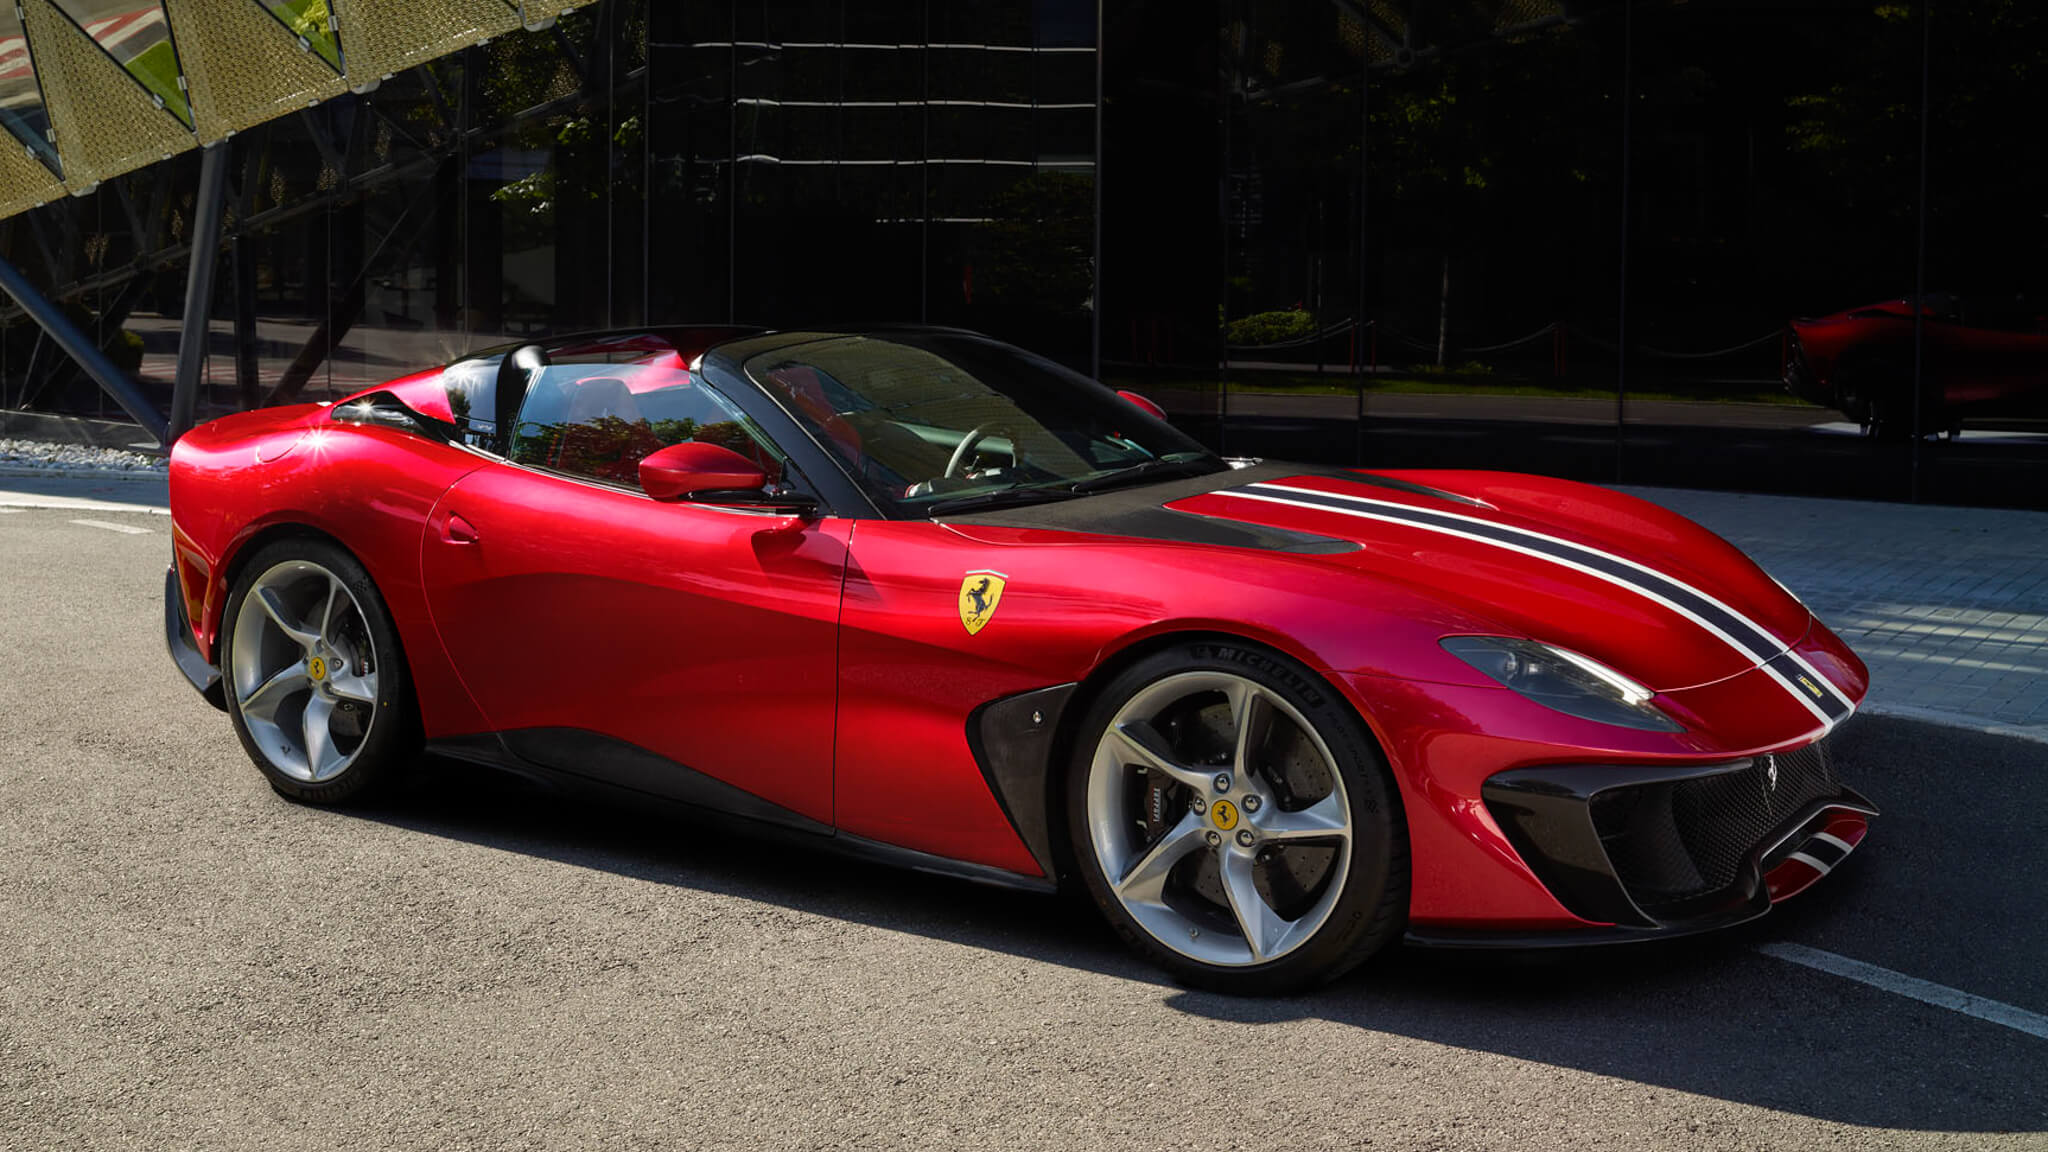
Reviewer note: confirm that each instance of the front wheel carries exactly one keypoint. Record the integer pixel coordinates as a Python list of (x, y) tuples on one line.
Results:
[(316, 682), (1235, 821)]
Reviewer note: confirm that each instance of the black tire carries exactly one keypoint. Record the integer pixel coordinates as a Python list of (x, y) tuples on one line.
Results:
[(389, 735), (1888, 419), (1879, 397), (1369, 911)]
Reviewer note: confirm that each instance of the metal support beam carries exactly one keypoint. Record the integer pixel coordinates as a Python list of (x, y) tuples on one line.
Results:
[(84, 351), (192, 340)]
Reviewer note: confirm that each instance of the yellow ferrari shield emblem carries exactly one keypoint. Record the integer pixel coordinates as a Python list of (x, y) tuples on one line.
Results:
[(317, 669), (1224, 813), (980, 592)]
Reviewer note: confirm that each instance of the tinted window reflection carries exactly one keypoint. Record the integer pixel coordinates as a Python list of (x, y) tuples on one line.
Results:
[(922, 421), (597, 412)]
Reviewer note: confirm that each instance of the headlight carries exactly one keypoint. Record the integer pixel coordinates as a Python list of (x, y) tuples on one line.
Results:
[(1566, 681)]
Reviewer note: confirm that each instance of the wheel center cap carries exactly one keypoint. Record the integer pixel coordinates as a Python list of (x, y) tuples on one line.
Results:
[(1223, 814), (317, 669)]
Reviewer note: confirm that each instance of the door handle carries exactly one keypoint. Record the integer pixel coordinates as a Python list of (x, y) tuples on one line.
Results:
[(456, 530)]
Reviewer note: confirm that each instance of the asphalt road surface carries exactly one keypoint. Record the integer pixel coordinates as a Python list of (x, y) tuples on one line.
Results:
[(189, 961)]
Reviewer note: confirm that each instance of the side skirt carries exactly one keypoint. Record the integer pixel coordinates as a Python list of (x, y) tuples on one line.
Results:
[(576, 760)]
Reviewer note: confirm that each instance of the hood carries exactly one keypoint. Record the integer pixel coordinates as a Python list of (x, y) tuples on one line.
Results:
[(1630, 584)]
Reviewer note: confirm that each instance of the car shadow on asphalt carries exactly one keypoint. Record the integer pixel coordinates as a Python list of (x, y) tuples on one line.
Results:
[(1949, 889)]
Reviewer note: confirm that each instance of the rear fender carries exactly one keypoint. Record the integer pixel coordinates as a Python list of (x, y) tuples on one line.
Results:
[(367, 489)]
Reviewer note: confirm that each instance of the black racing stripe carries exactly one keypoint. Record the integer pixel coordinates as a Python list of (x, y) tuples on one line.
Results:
[(1759, 644), (1814, 688), (1140, 513)]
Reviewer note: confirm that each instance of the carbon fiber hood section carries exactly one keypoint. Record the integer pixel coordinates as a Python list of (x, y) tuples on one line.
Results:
[(1142, 513)]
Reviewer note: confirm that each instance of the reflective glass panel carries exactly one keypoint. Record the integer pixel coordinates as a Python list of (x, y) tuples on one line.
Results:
[(1980, 412), (21, 97), (138, 37), (1494, 182), (1774, 208), (313, 24)]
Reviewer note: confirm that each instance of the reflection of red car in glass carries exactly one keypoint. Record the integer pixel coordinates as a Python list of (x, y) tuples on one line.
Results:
[(1981, 359)]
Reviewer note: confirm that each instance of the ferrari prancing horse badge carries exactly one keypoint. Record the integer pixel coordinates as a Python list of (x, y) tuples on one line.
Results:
[(980, 592)]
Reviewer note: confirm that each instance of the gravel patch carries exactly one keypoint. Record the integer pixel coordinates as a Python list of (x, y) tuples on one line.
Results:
[(38, 455)]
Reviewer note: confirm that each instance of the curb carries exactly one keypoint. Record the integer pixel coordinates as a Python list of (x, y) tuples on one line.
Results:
[(80, 504), (2033, 732), (20, 472)]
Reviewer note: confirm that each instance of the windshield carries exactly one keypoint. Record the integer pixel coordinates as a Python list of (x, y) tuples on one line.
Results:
[(936, 423)]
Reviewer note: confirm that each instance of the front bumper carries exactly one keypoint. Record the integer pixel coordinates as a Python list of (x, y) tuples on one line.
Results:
[(204, 677), (1688, 849), (1802, 382)]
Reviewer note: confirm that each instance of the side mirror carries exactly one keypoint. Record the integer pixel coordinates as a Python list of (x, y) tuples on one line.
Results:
[(1143, 404), (681, 470)]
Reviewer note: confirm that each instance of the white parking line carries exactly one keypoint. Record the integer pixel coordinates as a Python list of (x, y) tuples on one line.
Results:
[(1911, 987), (130, 529)]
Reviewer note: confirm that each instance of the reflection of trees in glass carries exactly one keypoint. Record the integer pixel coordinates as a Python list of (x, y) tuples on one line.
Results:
[(526, 72), (1270, 328), (602, 448), (1858, 127), (1987, 190), (1292, 162), (1041, 240), (1483, 148), (311, 21), (579, 171), (611, 447)]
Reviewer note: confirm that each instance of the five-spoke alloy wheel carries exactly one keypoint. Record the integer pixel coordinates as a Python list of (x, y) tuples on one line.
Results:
[(1235, 821), (314, 679)]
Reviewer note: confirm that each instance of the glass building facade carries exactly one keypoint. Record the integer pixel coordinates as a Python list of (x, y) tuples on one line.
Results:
[(1722, 243)]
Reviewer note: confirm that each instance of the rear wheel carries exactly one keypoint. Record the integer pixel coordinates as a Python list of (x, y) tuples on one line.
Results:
[(1235, 822), (316, 683)]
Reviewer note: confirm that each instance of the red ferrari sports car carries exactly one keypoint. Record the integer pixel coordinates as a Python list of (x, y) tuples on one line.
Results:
[(919, 595)]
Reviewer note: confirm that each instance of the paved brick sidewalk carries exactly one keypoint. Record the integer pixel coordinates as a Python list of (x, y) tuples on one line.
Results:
[(1948, 606)]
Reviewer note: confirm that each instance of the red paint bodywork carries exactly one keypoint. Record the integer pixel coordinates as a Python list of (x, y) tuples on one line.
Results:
[(822, 664)]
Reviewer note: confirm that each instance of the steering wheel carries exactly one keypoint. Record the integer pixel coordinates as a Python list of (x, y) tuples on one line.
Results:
[(956, 468)]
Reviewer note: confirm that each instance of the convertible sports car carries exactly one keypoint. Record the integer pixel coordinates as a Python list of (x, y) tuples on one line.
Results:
[(915, 594)]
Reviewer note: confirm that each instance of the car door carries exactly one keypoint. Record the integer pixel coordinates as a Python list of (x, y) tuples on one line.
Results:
[(684, 650)]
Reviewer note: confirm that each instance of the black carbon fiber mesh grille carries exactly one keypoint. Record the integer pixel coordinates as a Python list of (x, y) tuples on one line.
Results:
[(1678, 842)]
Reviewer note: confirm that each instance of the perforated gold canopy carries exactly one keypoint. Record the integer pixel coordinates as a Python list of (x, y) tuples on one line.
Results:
[(95, 88)]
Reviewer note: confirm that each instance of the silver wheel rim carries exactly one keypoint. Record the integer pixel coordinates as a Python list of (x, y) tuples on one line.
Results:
[(1278, 852), (304, 671)]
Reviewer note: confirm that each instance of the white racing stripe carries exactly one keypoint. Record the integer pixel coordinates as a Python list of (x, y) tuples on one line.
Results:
[(128, 529), (1911, 987), (1812, 863), (1395, 515), (1837, 841), (1637, 565)]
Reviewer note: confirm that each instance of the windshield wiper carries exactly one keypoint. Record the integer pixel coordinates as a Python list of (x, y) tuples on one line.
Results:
[(1000, 498), (1148, 471)]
